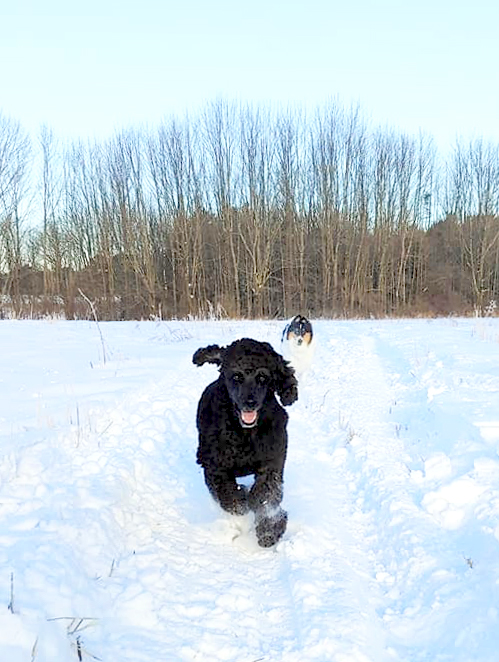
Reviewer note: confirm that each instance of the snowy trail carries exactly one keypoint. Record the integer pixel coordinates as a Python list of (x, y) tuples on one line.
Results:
[(117, 552), (426, 486), (186, 561)]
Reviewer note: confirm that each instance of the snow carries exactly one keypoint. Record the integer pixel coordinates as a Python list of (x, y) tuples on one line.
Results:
[(112, 549)]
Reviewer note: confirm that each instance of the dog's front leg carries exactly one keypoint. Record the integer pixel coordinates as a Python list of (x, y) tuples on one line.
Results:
[(264, 499), (266, 490), (223, 487)]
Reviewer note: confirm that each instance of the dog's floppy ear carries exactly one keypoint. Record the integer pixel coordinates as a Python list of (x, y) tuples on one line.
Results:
[(285, 383), (210, 354)]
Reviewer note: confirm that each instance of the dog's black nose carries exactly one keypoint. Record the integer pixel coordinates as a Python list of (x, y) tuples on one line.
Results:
[(300, 340)]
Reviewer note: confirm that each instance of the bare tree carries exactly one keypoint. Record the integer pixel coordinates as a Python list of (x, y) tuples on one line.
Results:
[(15, 153), (473, 196), (221, 150)]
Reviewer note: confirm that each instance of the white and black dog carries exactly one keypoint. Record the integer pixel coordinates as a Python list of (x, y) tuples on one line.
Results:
[(297, 344)]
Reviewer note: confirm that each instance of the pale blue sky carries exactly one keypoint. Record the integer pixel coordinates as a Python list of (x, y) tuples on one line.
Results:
[(88, 68)]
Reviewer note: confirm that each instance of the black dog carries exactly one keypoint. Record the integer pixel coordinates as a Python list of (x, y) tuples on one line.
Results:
[(242, 431)]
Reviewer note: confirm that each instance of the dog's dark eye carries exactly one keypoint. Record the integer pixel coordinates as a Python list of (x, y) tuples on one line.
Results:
[(237, 378), (261, 378)]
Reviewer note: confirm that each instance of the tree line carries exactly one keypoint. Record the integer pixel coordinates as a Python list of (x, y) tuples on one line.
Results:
[(245, 211)]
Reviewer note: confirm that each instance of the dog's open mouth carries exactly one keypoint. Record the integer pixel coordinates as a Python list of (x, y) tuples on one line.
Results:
[(248, 418)]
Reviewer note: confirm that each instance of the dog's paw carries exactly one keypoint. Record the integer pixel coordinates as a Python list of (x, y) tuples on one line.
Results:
[(270, 527), (237, 503)]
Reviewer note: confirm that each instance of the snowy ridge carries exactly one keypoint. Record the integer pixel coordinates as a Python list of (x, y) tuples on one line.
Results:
[(111, 548)]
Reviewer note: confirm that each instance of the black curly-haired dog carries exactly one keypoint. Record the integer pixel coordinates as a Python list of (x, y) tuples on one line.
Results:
[(242, 431)]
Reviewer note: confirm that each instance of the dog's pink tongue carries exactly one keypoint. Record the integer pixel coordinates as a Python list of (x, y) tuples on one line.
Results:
[(249, 417)]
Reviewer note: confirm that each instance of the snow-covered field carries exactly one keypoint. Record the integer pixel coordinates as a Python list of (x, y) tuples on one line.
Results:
[(112, 549)]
